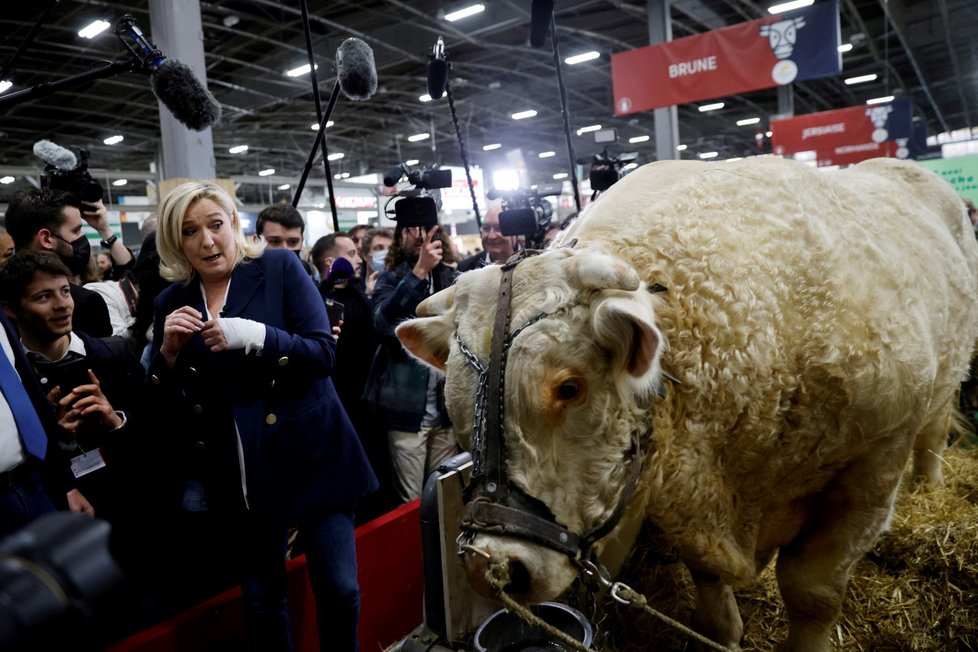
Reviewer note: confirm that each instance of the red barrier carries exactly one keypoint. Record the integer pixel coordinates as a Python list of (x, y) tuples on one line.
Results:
[(391, 599)]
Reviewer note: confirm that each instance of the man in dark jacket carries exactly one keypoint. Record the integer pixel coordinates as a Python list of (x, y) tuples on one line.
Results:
[(407, 396), (51, 220)]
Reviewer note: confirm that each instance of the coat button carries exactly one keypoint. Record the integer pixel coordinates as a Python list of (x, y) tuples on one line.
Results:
[(200, 446), (271, 419), (155, 379), (198, 408), (284, 360)]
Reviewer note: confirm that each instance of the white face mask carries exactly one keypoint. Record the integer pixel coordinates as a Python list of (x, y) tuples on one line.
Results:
[(377, 259)]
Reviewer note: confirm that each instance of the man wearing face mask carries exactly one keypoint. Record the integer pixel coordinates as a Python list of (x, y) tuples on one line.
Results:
[(373, 252), (51, 220)]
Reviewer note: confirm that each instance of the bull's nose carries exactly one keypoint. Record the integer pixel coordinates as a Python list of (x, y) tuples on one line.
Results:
[(518, 581)]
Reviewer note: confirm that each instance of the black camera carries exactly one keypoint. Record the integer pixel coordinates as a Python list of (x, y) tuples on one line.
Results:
[(78, 181), (606, 169), (417, 206), (55, 575), (526, 212)]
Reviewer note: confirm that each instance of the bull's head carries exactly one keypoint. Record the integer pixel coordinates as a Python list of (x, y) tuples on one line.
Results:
[(577, 384)]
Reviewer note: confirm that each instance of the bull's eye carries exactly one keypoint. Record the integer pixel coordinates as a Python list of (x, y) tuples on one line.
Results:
[(569, 389)]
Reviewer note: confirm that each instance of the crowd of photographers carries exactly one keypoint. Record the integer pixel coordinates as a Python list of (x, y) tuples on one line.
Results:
[(87, 428)]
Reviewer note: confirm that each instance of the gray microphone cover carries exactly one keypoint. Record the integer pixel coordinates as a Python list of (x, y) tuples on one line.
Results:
[(355, 69), (177, 87), (56, 155)]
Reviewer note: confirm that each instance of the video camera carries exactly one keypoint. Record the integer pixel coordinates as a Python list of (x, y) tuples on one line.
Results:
[(606, 169), (67, 170), (526, 212), (417, 206)]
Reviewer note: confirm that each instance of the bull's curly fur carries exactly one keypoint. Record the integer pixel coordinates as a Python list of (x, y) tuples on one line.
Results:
[(818, 323)]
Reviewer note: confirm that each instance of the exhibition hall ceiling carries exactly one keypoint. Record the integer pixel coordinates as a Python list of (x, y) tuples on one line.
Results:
[(922, 49)]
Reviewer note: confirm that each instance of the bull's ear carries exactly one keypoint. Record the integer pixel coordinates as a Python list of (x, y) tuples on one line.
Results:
[(599, 271), (428, 339), (437, 304), (624, 324)]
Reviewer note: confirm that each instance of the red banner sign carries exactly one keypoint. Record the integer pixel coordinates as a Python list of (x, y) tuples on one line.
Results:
[(750, 56), (846, 136)]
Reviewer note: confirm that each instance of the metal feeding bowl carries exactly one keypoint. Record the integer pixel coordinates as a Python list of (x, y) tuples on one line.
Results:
[(504, 631)]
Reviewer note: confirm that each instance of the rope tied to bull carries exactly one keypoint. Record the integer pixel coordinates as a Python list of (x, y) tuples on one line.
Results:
[(497, 576)]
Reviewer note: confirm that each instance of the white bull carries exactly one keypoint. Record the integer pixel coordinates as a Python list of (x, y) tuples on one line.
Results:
[(818, 325)]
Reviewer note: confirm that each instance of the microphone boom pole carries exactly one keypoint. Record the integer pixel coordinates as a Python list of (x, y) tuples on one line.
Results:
[(319, 114), (316, 144), (49, 88), (565, 111)]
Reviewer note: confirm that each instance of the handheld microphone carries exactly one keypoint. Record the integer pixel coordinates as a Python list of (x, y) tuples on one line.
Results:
[(56, 155), (541, 11), (437, 70), (173, 83), (341, 270), (356, 72)]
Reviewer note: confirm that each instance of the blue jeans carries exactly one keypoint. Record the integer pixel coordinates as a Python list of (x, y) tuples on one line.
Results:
[(22, 503), (332, 562)]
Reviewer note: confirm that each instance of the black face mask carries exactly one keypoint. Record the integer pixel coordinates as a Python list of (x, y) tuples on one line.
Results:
[(81, 253)]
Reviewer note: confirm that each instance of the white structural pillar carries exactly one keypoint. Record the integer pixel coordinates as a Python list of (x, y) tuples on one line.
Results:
[(177, 32), (667, 118)]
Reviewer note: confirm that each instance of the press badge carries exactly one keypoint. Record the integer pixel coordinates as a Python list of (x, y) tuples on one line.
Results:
[(87, 462)]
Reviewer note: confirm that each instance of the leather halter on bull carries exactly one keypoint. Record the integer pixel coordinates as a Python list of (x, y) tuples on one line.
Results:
[(495, 505)]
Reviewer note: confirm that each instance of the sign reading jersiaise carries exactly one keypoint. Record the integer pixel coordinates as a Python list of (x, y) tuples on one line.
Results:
[(765, 53), (846, 136)]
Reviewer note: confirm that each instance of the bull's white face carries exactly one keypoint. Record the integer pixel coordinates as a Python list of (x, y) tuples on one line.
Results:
[(577, 387)]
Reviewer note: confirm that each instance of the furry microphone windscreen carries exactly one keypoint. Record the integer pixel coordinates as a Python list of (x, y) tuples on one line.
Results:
[(56, 155), (355, 69), (176, 86)]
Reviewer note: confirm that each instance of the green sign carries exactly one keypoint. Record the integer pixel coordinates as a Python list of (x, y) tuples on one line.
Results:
[(961, 172)]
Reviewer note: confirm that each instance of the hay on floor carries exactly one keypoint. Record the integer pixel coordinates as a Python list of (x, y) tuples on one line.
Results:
[(916, 590)]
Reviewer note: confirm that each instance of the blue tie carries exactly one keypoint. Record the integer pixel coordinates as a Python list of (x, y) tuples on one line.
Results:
[(31, 430)]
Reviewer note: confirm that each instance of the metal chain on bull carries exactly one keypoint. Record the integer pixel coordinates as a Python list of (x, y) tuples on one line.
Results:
[(497, 575)]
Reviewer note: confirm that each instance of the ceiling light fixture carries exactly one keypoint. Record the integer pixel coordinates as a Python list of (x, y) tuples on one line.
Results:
[(417, 138), (880, 100), (581, 58), (120, 182), (7, 180), (300, 71), (681, 148), (329, 123), (284, 186), (465, 12), (412, 161), (335, 157), (709, 154), (5, 86), (112, 140), (93, 29), (424, 98), (716, 106), (560, 175), (491, 146), (860, 79), (748, 121), (523, 115), (267, 172), (546, 154), (588, 129), (238, 149), (845, 47), (638, 139), (788, 6)]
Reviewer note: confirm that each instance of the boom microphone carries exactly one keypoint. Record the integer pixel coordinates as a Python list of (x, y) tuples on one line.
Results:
[(541, 11), (437, 70), (173, 83), (56, 155), (355, 69)]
